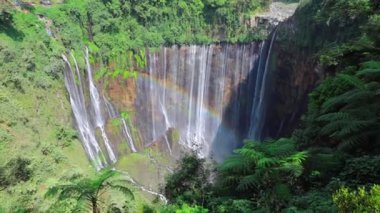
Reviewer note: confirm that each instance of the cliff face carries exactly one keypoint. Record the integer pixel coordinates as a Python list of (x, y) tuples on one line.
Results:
[(296, 71), (319, 31), (184, 94)]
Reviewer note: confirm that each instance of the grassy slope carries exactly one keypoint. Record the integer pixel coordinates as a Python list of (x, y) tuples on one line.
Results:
[(31, 116)]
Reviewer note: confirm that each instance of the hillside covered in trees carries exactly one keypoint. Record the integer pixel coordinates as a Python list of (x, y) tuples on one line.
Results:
[(125, 105)]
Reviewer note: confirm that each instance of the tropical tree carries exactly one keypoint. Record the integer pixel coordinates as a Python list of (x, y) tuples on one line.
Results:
[(344, 110), (263, 172), (190, 182), (89, 191)]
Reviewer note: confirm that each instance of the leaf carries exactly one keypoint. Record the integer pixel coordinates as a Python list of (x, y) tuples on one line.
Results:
[(125, 190), (369, 73), (267, 162), (248, 182), (352, 80)]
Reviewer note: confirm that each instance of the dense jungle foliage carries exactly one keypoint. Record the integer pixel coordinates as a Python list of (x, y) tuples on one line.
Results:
[(331, 163), (114, 26), (39, 149)]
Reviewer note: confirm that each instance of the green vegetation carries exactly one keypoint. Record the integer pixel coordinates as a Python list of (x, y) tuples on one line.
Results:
[(263, 173), (190, 182), (336, 147), (89, 193), (358, 201), (15, 171), (114, 27), (318, 168)]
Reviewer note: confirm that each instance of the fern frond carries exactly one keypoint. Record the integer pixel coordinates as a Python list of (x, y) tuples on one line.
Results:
[(351, 142), (293, 169), (231, 179), (371, 74), (297, 157), (248, 182), (279, 148), (235, 163), (370, 65), (353, 127), (267, 162), (125, 190), (352, 80), (250, 154), (334, 116), (355, 96), (333, 127)]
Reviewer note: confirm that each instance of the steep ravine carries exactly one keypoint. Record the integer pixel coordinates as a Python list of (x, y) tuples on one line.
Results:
[(207, 98)]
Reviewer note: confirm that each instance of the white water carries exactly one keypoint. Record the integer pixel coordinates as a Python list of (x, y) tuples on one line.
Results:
[(89, 117), (214, 96), (85, 129), (113, 114), (188, 88), (142, 188), (95, 100), (259, 104), (128, 136)]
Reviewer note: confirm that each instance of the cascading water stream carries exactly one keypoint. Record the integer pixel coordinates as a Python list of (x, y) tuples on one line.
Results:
[(258, 109), (113, 114), (95, 100), (86, 132), (89, 117)]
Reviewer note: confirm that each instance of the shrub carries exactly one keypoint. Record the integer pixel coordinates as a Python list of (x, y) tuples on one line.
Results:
[(359, 200)]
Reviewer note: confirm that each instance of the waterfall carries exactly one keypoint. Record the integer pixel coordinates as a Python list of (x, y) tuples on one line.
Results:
[(188, 88), (207, 98), (113, 114), (86, 131), (259, 104), (96, 104), (89, 116)]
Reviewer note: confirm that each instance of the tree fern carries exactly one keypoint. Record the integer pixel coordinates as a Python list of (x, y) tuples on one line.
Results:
[(87, 191), (350, 118), (257, 168)]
